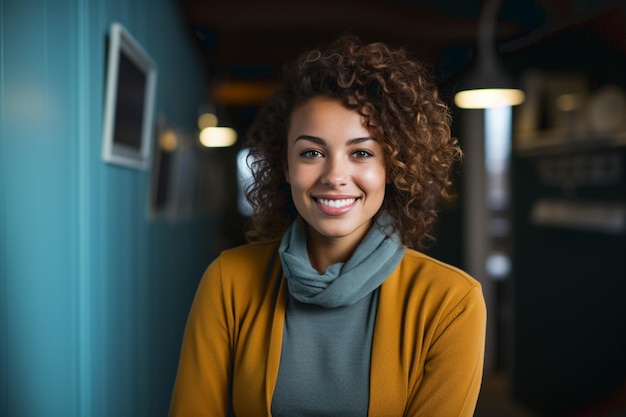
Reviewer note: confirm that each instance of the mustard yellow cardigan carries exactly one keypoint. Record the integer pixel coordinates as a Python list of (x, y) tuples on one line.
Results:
[(427, 349)]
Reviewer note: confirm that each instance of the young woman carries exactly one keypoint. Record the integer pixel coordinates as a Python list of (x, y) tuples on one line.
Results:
[(329, 311)]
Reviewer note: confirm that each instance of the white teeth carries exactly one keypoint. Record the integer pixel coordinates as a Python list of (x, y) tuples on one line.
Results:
[(336, 203)]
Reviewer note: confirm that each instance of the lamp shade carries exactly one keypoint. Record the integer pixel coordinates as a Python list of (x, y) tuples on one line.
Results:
[(487, 84)]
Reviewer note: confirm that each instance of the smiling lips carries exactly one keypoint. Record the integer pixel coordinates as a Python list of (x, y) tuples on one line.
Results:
[(335, 207)]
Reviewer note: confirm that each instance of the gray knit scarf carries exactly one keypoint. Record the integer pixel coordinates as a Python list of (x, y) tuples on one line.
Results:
[(342, 283)]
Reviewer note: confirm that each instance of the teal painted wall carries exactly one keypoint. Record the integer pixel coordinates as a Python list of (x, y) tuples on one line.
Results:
[(93, 292)]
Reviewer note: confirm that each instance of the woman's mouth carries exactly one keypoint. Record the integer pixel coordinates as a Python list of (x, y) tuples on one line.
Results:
[(335, 206), (336, 203)]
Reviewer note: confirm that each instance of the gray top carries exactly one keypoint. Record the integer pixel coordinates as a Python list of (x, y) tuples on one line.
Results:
[(325, 360)]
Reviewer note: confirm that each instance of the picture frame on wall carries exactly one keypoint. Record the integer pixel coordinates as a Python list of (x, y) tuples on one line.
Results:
[(173, 188), (162, 187), (129, 101)]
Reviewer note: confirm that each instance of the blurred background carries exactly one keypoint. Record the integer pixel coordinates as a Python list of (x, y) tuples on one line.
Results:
[(102, 243)]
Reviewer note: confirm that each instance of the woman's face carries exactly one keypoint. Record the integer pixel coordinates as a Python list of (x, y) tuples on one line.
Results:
[(335, 168)]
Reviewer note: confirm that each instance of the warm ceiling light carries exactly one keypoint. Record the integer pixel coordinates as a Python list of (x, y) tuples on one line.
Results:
[(207, 120), (218, 137), (484, 98), (487, 84), (168, 140)]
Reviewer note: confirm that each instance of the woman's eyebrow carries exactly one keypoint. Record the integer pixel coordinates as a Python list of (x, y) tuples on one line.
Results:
[(321, 142), (314, 139), (356, 141)]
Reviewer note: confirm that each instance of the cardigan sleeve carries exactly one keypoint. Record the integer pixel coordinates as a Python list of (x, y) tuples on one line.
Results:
[(204, 371), (452, 373)]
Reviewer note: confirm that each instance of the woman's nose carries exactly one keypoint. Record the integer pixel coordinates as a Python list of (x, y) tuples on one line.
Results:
[(335, 172)]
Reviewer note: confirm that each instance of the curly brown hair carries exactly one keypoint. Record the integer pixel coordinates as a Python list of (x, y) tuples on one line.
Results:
[(401, 108)]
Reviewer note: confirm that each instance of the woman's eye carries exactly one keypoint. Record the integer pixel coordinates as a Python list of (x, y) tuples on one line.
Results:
[(362, 154), (311, 153)]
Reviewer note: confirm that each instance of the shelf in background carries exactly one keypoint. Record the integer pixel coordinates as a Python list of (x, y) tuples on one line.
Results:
[(553, 144)]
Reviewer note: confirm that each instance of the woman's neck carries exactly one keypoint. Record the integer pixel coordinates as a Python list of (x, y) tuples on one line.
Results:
[(324, 251)]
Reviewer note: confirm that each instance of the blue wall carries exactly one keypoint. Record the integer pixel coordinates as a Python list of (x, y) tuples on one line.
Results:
[(93, 293)]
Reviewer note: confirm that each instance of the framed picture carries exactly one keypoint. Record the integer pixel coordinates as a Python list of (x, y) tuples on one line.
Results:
[(174, 172), (129, 101), (162, 189)]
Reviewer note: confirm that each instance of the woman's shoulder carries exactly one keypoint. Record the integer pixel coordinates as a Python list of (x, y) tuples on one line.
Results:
[(430, 286), (248, 260), (418, 268), (257, 251)]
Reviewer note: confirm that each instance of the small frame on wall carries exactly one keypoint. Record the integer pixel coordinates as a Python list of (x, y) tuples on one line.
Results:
[(129, 101), (175, 169), (163, 184)]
